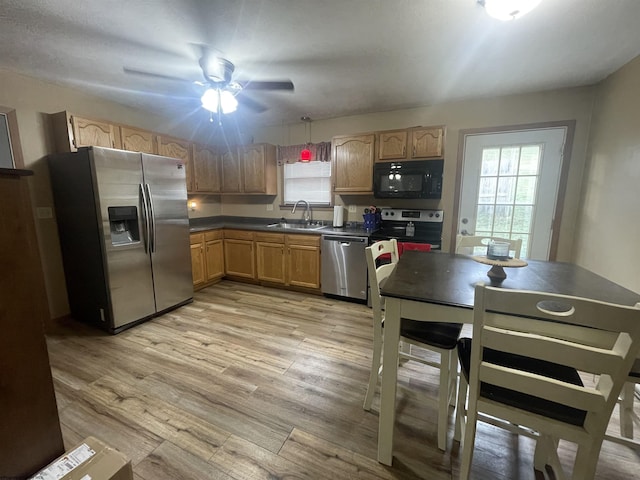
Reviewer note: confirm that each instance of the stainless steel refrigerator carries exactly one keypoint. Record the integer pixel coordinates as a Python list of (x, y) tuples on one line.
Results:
[(124, 234)]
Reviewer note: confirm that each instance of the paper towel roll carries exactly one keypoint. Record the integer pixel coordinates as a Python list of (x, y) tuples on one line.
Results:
[(338, 216)]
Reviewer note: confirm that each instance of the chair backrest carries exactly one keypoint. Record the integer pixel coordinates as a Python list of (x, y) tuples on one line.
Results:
[(377, 274), (587, 335), (466, 244)]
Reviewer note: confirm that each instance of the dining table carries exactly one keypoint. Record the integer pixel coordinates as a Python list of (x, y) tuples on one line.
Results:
[(439, 287)]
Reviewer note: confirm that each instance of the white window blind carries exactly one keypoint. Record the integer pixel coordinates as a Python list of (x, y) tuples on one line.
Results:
[(310, 181)]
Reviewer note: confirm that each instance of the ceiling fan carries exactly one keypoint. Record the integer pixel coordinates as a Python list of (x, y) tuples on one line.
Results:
[(223, 93)]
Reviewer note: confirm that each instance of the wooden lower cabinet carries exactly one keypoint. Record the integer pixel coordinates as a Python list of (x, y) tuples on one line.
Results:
[(270, 257), (303, 261), (291, 260), (239, 259), (207, 257), (214, 255), (197, 259)]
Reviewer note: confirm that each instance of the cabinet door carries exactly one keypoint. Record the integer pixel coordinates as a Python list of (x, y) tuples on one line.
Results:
[(304, 266), (214, 255), (303, 260), (206, 169), (136, 140), (258, 168), (231, 180), (270, 261), (180, 149), (87, 133), (427, 142), (393, 145), (353, 158), (197, 258), (239, 259)]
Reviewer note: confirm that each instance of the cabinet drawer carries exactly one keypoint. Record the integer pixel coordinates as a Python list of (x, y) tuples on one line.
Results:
[(213, 235), (195, 238), (239, 234), (313, 240), (269, 237)]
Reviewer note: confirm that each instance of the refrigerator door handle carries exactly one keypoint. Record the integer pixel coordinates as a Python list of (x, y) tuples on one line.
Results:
[(145, 218), (152, 220)]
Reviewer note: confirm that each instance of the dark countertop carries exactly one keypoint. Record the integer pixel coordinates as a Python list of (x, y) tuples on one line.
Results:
[(260, 224)]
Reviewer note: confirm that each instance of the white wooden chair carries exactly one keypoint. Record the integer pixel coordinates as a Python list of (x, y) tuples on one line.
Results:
[(522, 369), (437, 337), (466, 244), (626, 412)]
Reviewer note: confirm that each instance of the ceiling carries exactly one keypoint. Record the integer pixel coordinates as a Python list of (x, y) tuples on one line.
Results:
[(344, 57)]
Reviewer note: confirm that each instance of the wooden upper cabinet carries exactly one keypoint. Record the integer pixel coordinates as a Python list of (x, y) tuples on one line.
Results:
[(136, 140), (427, 142), (393, 144), (230, 168), (258, 163), (353, 158), (415, 143), (206, 169), (180, 149), (72, 132)]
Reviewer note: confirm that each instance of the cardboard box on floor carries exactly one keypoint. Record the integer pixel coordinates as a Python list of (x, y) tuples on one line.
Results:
[(90, 460)]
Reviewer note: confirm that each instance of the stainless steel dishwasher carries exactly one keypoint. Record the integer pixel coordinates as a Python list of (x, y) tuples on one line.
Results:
[(344, 266)]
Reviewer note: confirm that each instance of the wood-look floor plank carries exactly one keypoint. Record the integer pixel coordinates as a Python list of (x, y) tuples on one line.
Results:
[(250, 382), (243, 460), (170, 462), (159, 417)]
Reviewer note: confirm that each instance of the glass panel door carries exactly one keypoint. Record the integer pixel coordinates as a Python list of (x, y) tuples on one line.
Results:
[(509, 187)]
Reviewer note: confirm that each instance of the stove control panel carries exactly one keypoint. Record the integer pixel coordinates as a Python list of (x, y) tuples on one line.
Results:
[(409, 215)]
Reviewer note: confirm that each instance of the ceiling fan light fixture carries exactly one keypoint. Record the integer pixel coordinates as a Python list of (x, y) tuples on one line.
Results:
[(506, 10), (212, 99)]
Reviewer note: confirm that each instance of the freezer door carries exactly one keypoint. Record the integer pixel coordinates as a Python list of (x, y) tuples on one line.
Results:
[(118, 176), (170, 251)]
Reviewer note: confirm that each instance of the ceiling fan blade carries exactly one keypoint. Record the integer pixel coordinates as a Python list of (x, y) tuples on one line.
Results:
[(267, 85), (250, 103), (154, 75)]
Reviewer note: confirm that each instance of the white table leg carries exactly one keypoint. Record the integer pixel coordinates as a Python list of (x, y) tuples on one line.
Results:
[(389, 380)]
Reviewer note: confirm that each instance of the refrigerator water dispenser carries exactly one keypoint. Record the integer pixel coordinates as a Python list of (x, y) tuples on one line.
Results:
[(123, 223)]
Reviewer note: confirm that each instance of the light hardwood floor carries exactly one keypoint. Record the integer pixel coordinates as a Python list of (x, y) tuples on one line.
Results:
[(256, 383)]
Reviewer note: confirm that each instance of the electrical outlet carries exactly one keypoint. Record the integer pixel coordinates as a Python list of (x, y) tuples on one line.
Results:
[(270, 207), (352, 209)]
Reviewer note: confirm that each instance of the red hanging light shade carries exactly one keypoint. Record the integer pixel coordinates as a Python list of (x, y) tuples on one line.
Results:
[(305, 155)]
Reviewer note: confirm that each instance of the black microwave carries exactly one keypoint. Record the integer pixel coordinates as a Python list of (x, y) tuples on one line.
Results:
[(409, 179)]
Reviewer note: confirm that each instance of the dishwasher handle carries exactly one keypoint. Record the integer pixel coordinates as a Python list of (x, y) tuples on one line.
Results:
[(344, 240)]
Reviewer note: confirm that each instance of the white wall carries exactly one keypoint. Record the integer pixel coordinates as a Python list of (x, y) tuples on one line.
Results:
[(607, 239)]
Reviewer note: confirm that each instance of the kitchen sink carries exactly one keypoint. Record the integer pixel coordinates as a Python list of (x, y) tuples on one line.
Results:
[(295, 226)]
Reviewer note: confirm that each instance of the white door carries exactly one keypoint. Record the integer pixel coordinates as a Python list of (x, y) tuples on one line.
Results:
[(510, 185)]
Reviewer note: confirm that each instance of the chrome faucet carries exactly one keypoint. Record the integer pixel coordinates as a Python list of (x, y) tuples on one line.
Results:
[(307, 211)]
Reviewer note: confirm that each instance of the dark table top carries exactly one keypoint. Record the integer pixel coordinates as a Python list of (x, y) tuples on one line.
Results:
[(449, 279)]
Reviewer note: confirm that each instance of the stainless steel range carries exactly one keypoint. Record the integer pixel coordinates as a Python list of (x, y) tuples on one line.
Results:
[(411, 225)]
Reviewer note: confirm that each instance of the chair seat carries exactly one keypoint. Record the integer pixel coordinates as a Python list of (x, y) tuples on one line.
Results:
[(520, 400), (635, 370), (436, 334)]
